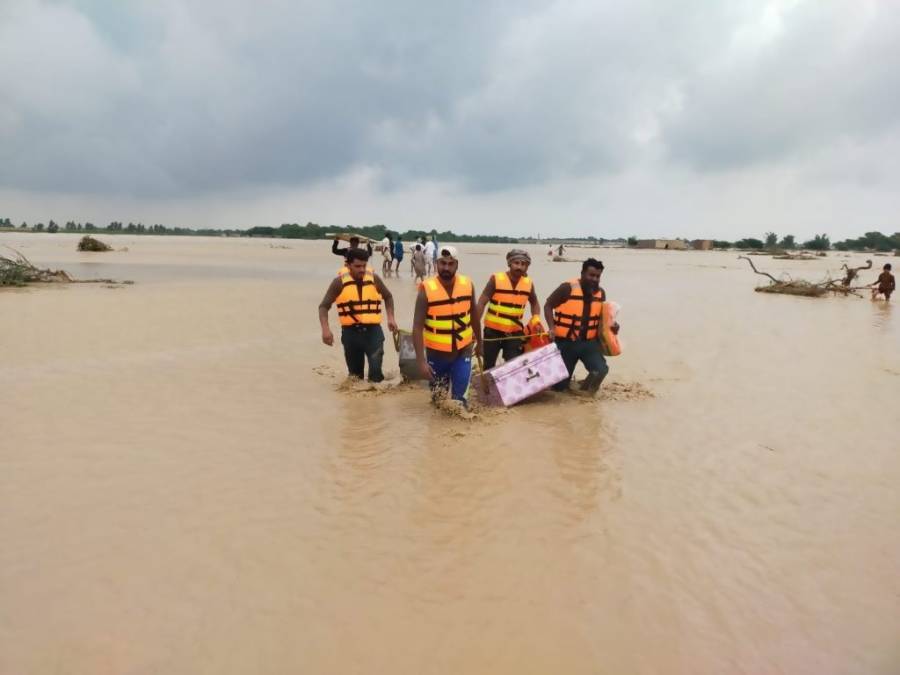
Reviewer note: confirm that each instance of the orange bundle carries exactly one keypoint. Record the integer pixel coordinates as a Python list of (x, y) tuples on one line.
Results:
[(537, 334)]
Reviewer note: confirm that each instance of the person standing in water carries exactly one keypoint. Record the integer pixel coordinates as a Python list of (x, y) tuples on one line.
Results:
[(886, 284), (429, 256), (418, 263), (445, 328), (506, 296), (574, 314), (358, 294), (398, 253), (354, 244), (387, 254)]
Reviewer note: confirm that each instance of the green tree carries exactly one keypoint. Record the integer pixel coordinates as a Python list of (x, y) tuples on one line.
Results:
[(719, 243), (788, 242), (52, 227), (632, 241), (819, 243), (756, 244), (38, 227), (771, 240)]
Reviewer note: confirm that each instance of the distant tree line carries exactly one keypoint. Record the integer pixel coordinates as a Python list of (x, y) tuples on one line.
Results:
[(875, 241), (377, 232), (871, 241)]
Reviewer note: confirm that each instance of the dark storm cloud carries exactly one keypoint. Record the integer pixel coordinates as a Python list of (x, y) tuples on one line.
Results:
[(169, 98), (816, 75)]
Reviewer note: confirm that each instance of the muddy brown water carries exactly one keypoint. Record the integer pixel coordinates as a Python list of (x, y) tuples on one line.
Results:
[(186, 488)]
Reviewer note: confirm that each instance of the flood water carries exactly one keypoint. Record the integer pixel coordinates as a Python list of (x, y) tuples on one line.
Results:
[(186, 487)]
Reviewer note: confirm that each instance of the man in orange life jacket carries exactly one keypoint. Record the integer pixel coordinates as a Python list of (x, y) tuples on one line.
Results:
[(445, 328), (505, 296), (359, 293), (573, 313)]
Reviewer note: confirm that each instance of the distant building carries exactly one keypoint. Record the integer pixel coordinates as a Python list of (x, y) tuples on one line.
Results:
[(702, 244), (663, 244)]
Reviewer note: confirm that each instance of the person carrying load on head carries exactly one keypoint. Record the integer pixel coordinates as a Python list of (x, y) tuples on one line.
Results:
[(445, 329), (354, 244), (574, 314), (358, 295), (505, 298)]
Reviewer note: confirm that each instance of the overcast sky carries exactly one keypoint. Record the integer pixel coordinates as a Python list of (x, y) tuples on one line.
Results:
[(719, 118)]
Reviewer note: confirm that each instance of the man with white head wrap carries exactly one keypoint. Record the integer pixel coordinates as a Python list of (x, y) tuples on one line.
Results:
[(446, 331), (505, 297)]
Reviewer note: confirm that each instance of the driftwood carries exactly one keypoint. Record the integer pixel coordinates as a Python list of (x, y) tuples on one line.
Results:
[(806, 288), (88, 243), (793, 256), (19, 271), (852, 272)]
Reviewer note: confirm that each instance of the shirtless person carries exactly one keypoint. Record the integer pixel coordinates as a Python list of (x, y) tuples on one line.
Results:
[(886, 284)]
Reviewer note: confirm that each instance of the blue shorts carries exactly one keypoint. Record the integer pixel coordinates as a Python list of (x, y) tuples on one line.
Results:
[(451, 372)]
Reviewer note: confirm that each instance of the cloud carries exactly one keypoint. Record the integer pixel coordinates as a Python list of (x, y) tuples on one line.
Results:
[(803, 77), (177, 100)]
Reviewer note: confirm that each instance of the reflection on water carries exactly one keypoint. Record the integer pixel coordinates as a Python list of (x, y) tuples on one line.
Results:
[(881, 314), (184, 489)]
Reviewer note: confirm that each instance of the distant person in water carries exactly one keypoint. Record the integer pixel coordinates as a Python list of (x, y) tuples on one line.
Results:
[(419, 263), (354, 244), (398, 254), (429, 254), (387, 255), (562, 250), (886, 284)]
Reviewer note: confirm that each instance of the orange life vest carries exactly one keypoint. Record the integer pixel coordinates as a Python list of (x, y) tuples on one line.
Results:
[(359, 304), (609, 341), (568, 315), (506, 308), (448, 318), (537, 334)]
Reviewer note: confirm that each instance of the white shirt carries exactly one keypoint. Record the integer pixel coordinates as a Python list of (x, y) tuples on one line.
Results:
[(386, 247), (429, 250)]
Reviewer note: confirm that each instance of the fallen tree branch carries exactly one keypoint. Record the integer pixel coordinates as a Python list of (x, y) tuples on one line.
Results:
[(808, 288), (765, 274), (853, 271), (19, 271)]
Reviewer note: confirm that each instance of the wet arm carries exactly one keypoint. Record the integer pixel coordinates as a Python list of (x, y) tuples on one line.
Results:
[(334, 290), (419, 325), (476, 328), (535, 305), (556, 298), (388, 298), (485, 297), (336, 250)]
